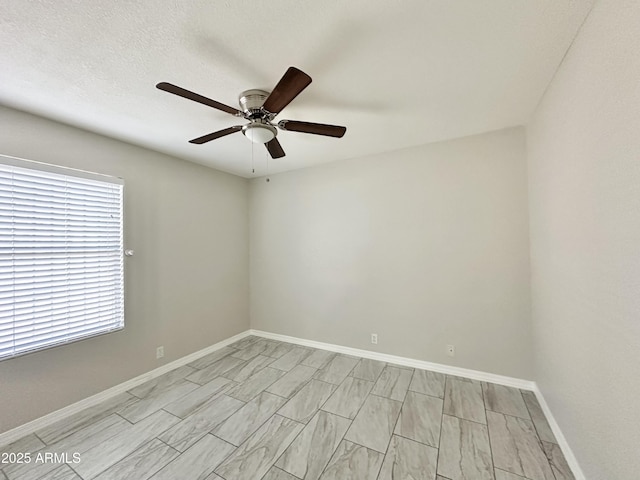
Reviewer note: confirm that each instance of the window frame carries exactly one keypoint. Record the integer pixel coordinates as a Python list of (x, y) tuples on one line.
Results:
[(77, 174)]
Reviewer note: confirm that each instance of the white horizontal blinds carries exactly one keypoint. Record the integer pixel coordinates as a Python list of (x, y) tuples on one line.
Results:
[(61, 263)]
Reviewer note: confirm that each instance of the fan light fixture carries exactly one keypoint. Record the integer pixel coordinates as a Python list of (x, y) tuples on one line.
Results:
[(260, 108), (259, 132)]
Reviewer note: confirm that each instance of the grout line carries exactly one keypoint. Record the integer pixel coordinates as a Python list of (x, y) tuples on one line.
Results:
[(463, 419), (511, 473), (72, 469), (393, 434), (510, 415), (35, 434), (441, 424), (126, 420), (484, 402), (425, 394), (538, 419), (387, 398), (273, 465), (535, 430), (172, 448)]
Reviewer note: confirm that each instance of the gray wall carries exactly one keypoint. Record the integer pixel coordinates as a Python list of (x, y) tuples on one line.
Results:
[(584, 184), (426, 246), (186, 288)]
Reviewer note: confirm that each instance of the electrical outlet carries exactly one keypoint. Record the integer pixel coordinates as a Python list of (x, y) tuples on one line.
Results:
[(451, 350), (159, 352), (374, 338)]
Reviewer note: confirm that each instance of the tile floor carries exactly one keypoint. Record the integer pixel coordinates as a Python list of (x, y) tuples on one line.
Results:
[(263, 409)]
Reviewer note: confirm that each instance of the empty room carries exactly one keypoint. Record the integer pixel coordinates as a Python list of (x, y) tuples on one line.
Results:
[(298, 240)]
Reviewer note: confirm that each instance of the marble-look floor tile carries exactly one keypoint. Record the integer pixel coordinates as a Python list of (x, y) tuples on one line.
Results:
[(292, 358), (403, 367), (245, 342), (337, 369), (252, 350), (198, 462), (185, 406), (111, 447), (91, 435), (30, 443), (428, 383), (507, 400), (162, 382), (393, 383), (368, 369), (142, 463), (275, 349), (463, 379), (255, 384), (310, 452), (464, 400), (465, 452), (292, 381), (318, 358), (63, 472), (374, 423), (257, 455), (156, 400), (420, 419), (243, 423), (558, 462), (502, 475), (212, 358), (214, 370), (354, 462), (244, 371), (187, 432), (516, 447), (275, 473), (406, 459), (102, 456), (80, 441), (63, 428), (349, 397), (279, 349), (304, 404), (537, 415)]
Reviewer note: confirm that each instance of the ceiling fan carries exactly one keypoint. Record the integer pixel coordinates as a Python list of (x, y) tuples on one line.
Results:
[(260, 109)]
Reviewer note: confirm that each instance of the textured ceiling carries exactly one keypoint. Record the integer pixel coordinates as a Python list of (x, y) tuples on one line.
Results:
[(396, 73)]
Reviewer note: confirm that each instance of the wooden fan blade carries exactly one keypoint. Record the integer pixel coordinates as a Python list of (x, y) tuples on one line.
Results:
[(275, 149), (290, 85), (181, 92), (212, 136), (314, 128)]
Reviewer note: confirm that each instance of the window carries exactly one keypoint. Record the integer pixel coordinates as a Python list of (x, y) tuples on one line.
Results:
[(61, 256)]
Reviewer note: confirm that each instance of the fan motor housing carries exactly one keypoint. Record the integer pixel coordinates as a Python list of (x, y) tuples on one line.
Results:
[(251, 101)]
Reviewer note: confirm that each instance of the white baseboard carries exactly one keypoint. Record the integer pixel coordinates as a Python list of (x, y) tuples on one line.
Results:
[(456, 371), (562, 441), (407, 362), (49, 419), (53, 417)]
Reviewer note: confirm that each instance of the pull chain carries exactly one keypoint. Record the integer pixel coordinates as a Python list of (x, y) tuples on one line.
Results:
[(268, 157)]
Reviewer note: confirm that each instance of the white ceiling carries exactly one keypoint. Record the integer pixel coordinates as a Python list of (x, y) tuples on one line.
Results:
[(396, 73)]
